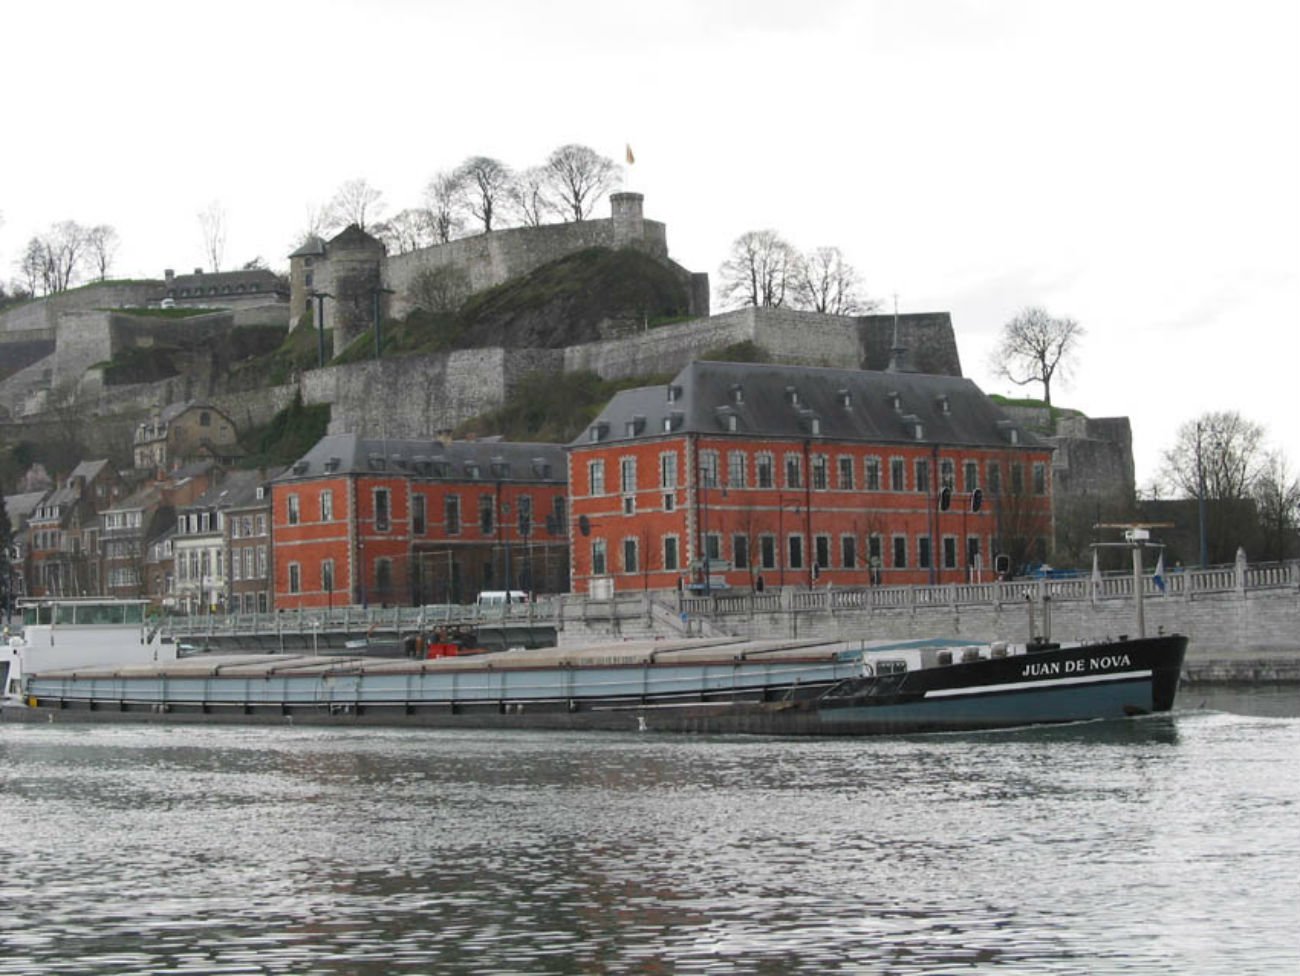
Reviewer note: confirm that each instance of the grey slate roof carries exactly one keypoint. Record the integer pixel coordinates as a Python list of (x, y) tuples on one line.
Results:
[(795, 402), (486, 461), (20, 507), (311, 247), (236, 488)]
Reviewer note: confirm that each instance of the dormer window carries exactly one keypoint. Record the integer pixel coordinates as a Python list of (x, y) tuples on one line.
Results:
[(598, 431), (634, 426), (332, 464), (914, 424), (944, 405), (792, 396), (810, 422), (896, 401), (674, 392), (845, 398), (737, 394)]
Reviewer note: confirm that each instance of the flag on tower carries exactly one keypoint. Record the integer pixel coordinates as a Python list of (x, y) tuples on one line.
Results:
[(630, 158), (1159, 577)]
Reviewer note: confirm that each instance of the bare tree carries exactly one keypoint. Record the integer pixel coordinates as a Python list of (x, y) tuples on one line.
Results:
[(486, 182), (442, 201), (356, 202), (315, 224), (212, 222), (407, 230), (1277, 499), (825, 282), (440, 289), (1222, 451), (759, 270), (32, 266), (530, 196), (578, 177), (1219, 457), (1035, 347), (102, 241)]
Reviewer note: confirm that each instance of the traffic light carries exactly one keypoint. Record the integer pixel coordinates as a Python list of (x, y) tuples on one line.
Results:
[(976, 500), (945, 498)]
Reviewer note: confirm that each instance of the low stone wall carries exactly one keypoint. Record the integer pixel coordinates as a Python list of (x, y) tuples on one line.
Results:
[(1228, 615)]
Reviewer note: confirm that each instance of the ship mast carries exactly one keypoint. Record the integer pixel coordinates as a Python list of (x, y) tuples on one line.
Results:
[(1137, 536)]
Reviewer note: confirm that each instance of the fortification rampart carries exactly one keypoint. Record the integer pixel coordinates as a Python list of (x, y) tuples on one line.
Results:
[(40, 317), (491, 259), (418, 396)]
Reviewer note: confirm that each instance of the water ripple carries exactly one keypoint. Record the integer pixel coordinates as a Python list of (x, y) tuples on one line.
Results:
[(1142, 847)]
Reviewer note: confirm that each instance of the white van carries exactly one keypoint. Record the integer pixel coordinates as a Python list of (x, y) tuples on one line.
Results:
[(497, 598)]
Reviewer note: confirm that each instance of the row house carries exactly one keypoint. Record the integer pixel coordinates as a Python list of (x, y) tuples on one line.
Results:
[(221, 547), (248, 533), (63, 532), (749, 475), (129, 528), (19, 508), (412, 522)]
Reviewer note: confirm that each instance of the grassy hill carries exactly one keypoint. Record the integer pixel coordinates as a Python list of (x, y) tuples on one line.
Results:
[(559, 304)]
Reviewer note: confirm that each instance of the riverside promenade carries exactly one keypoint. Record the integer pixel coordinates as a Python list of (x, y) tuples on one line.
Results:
[(1243, 620)]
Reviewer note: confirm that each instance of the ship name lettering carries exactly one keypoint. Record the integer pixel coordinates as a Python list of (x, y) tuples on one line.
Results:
[(1111, 661), (1045, 669)]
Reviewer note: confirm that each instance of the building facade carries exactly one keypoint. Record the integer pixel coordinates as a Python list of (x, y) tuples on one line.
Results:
[(63, 532), (742, 475), (183, 433), (402, 522)]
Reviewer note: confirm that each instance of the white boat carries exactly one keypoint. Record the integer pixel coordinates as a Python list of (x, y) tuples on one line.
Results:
[(65, 634)]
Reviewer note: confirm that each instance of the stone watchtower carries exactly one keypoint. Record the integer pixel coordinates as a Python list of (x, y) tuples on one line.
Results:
[(349, 269), (627, 213), (356, 262)]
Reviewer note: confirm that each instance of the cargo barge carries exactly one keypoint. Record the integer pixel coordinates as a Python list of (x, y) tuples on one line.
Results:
[(774, 687)]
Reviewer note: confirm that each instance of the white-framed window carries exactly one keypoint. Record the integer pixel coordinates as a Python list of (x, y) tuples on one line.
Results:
[(764, 466), (668, 469), (672, 556), (709, 469), (291, 504), (793, 471), (596, 476), (820, 472), (844, 481), (295, 578), (736, 469), (627, 475), (327, 505)]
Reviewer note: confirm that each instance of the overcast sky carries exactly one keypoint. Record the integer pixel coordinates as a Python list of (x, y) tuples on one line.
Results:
[(1131, 165)]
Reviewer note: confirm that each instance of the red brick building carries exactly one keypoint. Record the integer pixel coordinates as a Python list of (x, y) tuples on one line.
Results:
[(791, 475), (406, 522)]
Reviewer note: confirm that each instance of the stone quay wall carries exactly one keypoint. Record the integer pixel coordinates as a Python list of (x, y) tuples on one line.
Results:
[(1234, 618)]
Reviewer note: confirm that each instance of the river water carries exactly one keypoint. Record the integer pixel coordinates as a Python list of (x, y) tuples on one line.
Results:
[(1162, 845)]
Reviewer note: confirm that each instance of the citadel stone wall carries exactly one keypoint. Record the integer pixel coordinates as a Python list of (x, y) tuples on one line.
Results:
[(40, 317), (1094, 457)]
